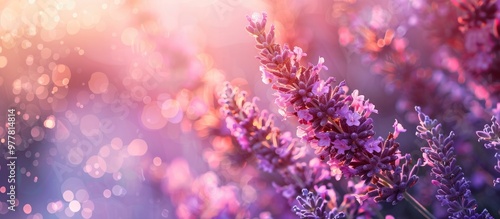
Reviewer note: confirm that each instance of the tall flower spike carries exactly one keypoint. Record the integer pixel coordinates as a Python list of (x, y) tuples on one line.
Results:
[(336, 124), (491, 134), (275, 151), (339, 122), (453, 189), (355, 203), (315, 207), (302, 175), (255, 131), (401, 179)]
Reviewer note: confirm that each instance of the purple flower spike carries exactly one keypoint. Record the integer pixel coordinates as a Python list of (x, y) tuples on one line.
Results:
[(336, 124), (255, 131), (453, 189), (398, 128), (402, 178), (276, 152), (491, 134), (312, 206)]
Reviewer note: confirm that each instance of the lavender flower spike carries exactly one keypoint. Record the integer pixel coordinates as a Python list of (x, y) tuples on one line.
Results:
[(276, 151), (453, 189), (491, 134), (256, 132), (315, 207), (335, 123)]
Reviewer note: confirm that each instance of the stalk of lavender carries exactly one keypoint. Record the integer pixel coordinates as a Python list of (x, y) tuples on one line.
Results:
[(277, 152), (453, 190), (355, 204), (274, 150), (315, 207), (256, 132), (336, 124), (491, 134)]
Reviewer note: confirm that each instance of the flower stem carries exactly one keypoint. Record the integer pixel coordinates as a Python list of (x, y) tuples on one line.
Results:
[(419, 207)]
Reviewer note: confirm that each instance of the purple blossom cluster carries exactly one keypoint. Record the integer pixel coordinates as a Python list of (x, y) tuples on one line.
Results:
[(439, 154), (274, 150), (336, 124), (277, 152), (491, 134), (312, 206)]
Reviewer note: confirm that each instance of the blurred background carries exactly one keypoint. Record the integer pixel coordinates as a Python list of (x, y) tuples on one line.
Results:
[(117, 99)]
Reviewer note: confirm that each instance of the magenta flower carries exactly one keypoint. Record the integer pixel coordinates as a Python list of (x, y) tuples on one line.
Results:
[(369, 108), (344, 111), (341, 146), (301, 133), (298, 53), (398, 128), (320, 87), (353, 119), (357, 100), (324, 139), (238, 132), (304, 115), (320, 65), (373, 145), (267, 77)]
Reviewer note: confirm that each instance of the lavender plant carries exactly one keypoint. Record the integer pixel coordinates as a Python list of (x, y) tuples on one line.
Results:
[(336, 124), (439, 154), (315, 207), (277, 152), (491, 134), (255, 131)]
